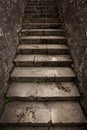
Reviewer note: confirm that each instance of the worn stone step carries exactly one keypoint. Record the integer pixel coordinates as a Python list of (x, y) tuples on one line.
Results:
[(43, 39), (40, 1), (41, 91), (39, 12), (66, 113), (42, 74), (40, 16), (41, 20), (49, 8), (41, 26), (42, 32), (42, 128), (48, 11), (42, 60), (40, 6), (42, 49)]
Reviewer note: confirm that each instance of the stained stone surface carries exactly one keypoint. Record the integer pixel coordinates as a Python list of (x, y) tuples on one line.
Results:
[(44, 48), (43, 37), (26, 113), (43, 113), (43, 60), (43, 91), (43, 128), (67, 128), (53, 46), (67, 112), (22, 90), (25, 58), (42, 73), (62, 90), (41, 32), (33, 73), (25, 128), (64, 73), (42, 25)]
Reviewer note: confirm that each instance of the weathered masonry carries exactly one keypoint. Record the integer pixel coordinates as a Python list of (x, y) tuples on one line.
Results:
[(43, 65)]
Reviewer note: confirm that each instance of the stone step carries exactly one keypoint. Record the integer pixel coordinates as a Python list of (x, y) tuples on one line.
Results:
[(35, 15), (43, 39), (40, 16), (44, 10), (39, 12), (42, 60), (41, 25), (42, 32), (42, 74), (42, 7), (68, 113), (41, 91), (42, 128), (40, 0), (41, 20), (42, 49)]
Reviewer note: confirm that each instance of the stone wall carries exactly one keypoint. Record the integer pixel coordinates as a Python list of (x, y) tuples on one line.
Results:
[(11, 12), (73, 14)]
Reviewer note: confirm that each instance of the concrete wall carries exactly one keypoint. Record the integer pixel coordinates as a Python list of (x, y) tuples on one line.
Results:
[(11, 12), (73, 14)]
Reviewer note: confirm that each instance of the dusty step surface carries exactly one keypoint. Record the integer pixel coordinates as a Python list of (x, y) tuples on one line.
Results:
[(42, 60), (41, 25), (39, 8), (41, 32), (40, 16), (42, 128), (42, 20), (41, 91), (42, 48), (42, 74), (38, 113), (43, 39)]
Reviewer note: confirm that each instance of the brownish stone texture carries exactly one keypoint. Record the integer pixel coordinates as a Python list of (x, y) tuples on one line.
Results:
[(74, 14), (11, 12)]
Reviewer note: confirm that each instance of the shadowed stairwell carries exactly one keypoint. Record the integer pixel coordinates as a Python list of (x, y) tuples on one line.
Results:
[(42, 93)]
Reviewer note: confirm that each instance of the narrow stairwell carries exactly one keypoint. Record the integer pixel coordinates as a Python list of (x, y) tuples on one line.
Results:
[(42, 91)]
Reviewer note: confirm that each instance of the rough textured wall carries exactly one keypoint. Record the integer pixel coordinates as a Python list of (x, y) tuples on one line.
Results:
[(11, 12), (74, 14)]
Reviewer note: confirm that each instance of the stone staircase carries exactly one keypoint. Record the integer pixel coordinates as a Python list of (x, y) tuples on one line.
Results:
[(42, 93)]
